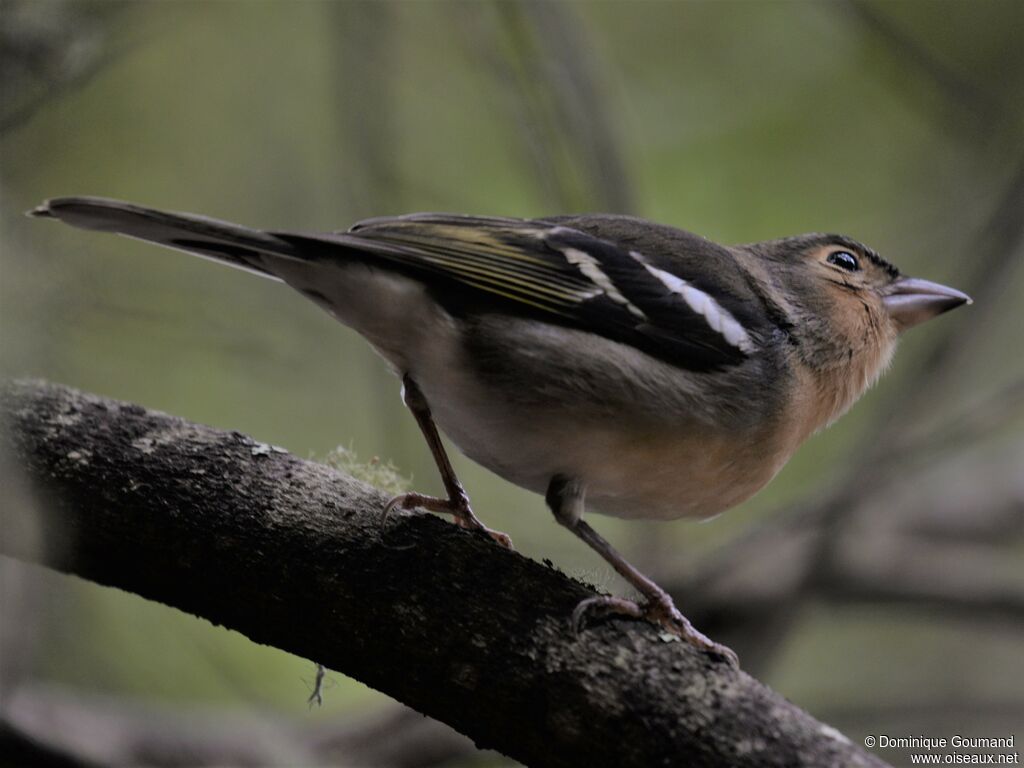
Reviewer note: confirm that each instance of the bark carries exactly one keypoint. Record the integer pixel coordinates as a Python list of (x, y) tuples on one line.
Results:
[(292, 554)]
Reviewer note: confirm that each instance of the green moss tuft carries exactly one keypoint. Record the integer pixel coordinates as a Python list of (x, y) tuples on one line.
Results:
[(380, 474)]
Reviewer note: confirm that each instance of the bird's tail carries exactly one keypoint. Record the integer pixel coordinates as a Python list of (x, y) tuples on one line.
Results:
[(242, 247)]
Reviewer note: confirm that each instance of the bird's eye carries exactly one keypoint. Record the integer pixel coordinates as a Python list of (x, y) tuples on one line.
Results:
[(844, 260)]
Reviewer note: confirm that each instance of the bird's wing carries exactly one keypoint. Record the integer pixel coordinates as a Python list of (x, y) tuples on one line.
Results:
[(558, 273)]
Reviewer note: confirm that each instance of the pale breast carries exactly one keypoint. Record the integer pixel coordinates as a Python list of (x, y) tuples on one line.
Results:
[(667, 476)]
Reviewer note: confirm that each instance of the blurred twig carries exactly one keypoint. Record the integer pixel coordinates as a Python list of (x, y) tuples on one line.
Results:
[(364, 105), (942, 578), (48, 49), (581, 100), (963, 102), (882, 562), (538, 53), (90, 729), (21, 749), (998, 250)]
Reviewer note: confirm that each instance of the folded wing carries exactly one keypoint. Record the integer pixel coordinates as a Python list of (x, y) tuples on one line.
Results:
[(557, 273)]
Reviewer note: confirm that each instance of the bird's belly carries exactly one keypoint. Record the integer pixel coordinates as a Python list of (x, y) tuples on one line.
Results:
[(641, 472)]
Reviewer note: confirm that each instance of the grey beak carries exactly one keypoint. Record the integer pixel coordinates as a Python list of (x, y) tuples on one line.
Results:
[(911, 300)]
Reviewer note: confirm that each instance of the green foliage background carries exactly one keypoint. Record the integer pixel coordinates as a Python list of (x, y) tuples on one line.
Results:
[(739, 120)]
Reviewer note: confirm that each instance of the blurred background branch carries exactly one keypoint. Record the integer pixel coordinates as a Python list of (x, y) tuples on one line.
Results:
[(960, 101), (87, 730), (49, 49), (549, 83)]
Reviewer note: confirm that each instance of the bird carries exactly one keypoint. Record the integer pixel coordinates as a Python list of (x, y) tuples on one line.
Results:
[(607, 362)]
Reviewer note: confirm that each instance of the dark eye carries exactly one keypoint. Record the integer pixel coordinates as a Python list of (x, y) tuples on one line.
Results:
[(845, 260)]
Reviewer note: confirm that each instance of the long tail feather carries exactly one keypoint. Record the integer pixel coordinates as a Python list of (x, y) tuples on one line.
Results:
[(221, 241)]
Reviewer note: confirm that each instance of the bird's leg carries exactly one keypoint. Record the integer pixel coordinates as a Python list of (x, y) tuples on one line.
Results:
[(457, 503), (565, 498)]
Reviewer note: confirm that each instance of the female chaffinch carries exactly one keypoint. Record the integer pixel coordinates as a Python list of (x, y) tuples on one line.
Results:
[(655, 372)]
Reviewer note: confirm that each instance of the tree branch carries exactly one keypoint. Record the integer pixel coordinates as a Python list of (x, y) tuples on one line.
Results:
[(291, 553)]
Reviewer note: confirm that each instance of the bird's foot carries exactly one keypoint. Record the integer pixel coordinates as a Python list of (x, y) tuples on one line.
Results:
[(660, 611), (458, 508)]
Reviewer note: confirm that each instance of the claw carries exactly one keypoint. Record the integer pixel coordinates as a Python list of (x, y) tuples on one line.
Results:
[(459, 509), (661, 613), (502, 538), (386, 512), (407, 501)]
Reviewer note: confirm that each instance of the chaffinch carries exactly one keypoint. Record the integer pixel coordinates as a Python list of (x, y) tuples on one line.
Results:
[(649, 370)]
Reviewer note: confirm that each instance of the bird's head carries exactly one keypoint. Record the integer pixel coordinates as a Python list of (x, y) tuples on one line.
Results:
[(841, 297), (845, 306)]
